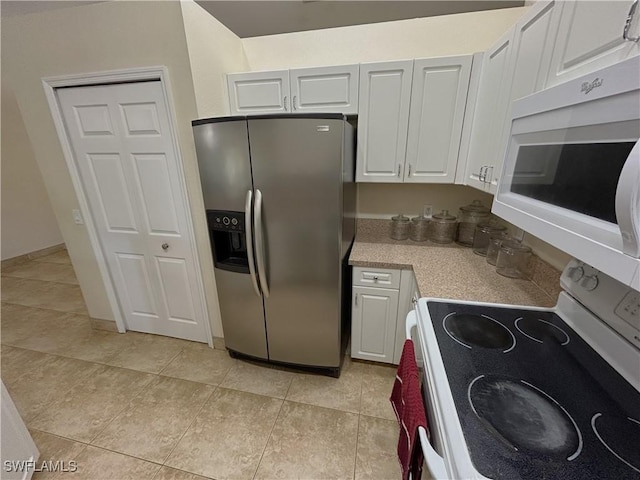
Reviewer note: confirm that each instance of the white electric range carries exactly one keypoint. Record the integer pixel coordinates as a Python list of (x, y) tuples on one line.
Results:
[(516, 392)]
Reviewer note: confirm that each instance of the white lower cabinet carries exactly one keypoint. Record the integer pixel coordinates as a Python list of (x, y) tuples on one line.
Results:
[(378, 313)]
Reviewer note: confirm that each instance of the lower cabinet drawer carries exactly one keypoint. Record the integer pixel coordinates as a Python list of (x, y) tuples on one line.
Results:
[(376, 277)]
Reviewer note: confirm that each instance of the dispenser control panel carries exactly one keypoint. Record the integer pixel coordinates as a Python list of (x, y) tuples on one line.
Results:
[(223, 220)]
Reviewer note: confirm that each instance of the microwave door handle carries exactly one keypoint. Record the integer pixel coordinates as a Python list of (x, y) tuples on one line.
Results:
[(259, 233), (435, 463), (249, 240)]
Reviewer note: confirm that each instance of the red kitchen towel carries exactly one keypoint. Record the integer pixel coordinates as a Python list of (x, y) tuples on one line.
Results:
[(406, 400)]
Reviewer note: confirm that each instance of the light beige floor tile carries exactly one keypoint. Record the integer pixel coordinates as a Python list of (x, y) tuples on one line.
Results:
[(376, 389), (154, 421), (26, 326), (167, 473), (54, 449), (37, 293), (341, 393), (148, 353), (262, 380), (14, 289), (228, 435), (52, 333), (86, 409), (61, 257), (95, 345), (41, 385), (310, 442), (377, 445), (17, 362), (97, 464), (199, 363), (49, 272)]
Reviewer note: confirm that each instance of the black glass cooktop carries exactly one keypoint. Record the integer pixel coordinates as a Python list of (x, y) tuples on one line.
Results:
[(535, 400)]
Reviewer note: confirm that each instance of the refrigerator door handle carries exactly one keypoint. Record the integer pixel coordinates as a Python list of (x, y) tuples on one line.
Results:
[(249, 234), (259, 232)]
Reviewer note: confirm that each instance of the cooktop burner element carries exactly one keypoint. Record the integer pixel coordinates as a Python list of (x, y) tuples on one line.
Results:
[(524, 417), (540, 330), (479, 330), (621, 436)]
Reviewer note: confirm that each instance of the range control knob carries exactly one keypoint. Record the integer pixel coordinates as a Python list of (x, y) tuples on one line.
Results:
[(589, 283), (576, 273), (234, 221), (226, 220)]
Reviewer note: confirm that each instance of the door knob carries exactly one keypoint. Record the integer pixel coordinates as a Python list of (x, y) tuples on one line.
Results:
[(165, 246)]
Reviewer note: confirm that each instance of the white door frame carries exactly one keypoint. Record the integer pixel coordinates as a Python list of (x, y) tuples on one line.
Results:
[(160, 73)]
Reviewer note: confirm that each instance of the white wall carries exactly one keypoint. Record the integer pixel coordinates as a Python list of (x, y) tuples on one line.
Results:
[(28, 222), (214, 50), (100, 37), (421, 37)]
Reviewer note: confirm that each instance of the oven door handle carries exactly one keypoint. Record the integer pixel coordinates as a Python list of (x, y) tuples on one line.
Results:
[(434, 462)]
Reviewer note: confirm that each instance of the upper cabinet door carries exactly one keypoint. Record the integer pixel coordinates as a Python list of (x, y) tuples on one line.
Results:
[(590, 38), (490, 111), (259, 92), (385, 93), (438, 99), (528, 68), (324, 89)]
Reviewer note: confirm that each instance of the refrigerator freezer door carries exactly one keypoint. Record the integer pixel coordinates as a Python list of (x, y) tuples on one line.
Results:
[(297, 166), (223, 160), (225, 174), (242, 314)]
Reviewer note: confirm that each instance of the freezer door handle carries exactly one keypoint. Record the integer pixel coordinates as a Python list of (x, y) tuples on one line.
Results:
[(259, 233), (249, 232)]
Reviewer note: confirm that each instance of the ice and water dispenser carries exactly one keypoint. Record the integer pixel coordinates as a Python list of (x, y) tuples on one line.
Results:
[(228, 240)]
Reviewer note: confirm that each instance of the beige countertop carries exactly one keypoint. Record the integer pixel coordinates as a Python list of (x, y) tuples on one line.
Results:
[(446, 271)]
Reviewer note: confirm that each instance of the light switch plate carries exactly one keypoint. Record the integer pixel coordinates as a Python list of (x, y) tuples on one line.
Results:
[(77, 217)]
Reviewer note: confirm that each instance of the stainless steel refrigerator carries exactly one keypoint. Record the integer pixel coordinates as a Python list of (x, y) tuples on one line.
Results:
[(280, 199)]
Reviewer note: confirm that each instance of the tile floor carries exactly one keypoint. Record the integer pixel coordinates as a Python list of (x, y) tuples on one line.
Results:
[(139, 406)]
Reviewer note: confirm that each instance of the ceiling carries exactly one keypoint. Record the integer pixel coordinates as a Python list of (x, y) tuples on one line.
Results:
[(250, 18), (256, 18)]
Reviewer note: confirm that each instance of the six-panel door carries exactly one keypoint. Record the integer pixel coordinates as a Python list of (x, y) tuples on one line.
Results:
[(124, 151)]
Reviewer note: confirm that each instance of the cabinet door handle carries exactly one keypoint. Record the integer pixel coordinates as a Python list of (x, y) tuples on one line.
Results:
[(398, 170), (294, 103), (409, 173), (627, 24), (356, 299), (481, 174), (286, 108)]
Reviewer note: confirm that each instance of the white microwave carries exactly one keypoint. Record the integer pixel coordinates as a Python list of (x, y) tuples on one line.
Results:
[(571, 173)]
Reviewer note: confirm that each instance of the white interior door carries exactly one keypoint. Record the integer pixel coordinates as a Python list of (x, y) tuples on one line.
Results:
[(124, 151)]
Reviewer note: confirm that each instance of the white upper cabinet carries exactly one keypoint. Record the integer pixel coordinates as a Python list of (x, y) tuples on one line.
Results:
[(324, 89), (302, 90), (590, 38), (383, 117), (410, 119), (438, 99), (516, 66), (258, 92), (490, 110), (528, 69)]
